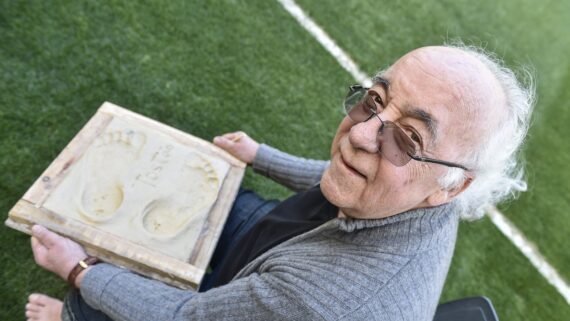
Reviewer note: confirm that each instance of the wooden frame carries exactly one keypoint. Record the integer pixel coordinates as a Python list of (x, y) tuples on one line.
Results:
[(29, 210)]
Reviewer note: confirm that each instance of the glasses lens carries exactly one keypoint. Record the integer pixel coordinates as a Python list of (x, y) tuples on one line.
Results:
[(353, 104), (395, 145)]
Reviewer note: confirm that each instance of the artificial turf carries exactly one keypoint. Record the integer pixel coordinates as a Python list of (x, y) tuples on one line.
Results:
[(218, 66), (205, 68)]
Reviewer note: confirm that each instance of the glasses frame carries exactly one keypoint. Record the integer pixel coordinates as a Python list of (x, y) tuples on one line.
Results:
[(348, 106)]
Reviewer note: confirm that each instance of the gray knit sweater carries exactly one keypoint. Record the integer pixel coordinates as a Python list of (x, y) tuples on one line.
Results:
[(383, 269)]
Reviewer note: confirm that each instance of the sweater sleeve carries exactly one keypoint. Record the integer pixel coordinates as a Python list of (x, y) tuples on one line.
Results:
[(294, 172), (125, 296)]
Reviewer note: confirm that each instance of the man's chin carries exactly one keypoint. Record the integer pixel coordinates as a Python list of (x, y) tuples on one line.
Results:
[(342, 195), (332, 190)]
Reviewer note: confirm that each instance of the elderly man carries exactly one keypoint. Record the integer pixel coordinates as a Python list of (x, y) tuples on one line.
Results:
[(368, 236)]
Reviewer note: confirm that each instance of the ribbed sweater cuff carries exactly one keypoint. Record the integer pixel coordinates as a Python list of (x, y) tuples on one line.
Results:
[(263, 159)]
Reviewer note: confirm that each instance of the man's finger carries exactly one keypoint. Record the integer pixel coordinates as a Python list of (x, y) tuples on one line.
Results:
[(38, 249), (233, 135), (45, 236), (35, 242), (237, 136), (222, 141)]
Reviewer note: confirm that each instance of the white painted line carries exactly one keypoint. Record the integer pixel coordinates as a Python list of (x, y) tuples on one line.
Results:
[(501, 222), (529, 250), (326, 41)]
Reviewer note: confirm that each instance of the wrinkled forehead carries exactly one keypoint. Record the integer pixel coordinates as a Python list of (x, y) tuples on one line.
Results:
[(436, 74), (450, 84)]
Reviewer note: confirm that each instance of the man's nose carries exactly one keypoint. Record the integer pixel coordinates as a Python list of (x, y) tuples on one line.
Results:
[(364, 135)]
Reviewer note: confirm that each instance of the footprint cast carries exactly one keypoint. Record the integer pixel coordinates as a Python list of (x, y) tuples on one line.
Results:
[(199, 185), (102, 191)]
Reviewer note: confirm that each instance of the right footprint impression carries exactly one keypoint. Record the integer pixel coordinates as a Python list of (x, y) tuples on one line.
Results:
[(199, 185), (101, 192)]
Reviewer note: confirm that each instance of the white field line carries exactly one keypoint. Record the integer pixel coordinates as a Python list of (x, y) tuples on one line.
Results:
[(326, 41), (529, 250), (505, 226)]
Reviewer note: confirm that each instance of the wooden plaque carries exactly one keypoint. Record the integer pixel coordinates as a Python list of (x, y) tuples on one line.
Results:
[(138, 194)]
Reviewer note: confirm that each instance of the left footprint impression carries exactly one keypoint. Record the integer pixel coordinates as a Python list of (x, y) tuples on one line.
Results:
[(101, 190)]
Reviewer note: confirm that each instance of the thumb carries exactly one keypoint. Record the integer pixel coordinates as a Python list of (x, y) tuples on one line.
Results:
[(45, 236), (223, 142), (39, 251)]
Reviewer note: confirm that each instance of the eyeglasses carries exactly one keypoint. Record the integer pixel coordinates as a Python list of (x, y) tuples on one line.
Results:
[(394, 144)]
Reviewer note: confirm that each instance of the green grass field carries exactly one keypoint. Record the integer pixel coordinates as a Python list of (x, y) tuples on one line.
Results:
[(218, 66)]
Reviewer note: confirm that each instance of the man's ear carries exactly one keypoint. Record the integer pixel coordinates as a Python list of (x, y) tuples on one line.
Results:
[(446, 195)]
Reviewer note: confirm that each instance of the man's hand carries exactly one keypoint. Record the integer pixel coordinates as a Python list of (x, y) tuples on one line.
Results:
[(54, 252), (239, 144)]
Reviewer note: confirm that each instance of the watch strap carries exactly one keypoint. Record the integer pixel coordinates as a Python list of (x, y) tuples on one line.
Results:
[(82, 265)]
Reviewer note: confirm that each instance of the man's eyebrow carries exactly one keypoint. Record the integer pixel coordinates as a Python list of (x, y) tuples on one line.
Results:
[(424, 117), (413, 112), (382, 81)]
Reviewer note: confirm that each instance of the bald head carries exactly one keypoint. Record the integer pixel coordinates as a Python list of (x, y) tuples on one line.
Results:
[(454, 85)]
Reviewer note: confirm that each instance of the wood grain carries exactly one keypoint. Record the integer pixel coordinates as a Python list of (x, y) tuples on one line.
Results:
[(112, 248)]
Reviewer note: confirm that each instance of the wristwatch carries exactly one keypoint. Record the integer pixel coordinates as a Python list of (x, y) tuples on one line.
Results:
[(82, 265)]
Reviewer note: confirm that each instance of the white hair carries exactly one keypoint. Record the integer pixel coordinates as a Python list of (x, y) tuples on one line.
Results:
[(496, 164)]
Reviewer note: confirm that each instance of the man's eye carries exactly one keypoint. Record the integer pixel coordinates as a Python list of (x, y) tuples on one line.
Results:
[(370, 104), (379, 100), (415, 137)]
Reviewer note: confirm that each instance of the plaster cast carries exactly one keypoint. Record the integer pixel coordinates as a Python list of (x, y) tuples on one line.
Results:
[(142, 185)]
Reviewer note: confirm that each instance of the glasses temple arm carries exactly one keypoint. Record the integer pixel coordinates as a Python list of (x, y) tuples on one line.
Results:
[(437, 161)]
